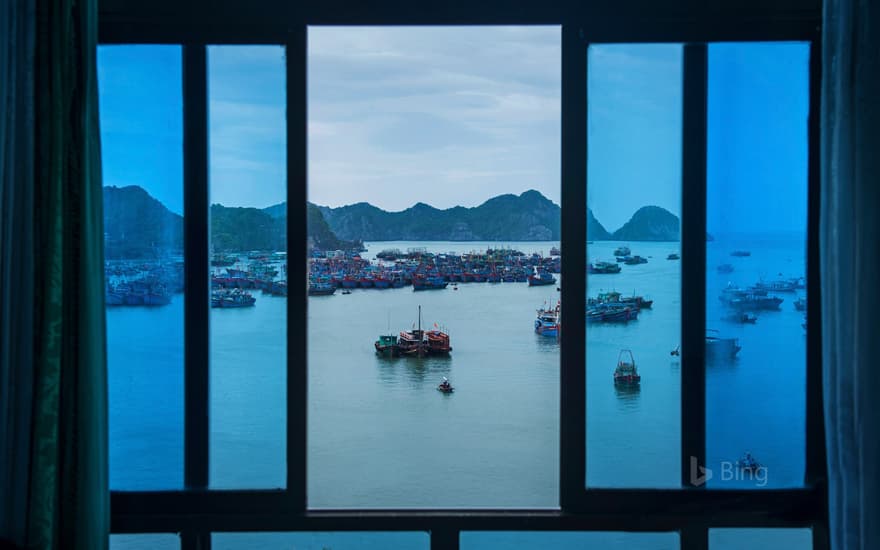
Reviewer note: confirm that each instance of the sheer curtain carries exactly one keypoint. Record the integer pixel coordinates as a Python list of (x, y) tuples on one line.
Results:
[(850, 251)]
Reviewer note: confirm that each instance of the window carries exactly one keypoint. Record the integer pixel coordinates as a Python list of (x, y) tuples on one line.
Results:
[(205, 507)]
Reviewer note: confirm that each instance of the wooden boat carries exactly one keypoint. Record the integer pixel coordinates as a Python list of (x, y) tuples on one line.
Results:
[(626, 372), (673, 256), (320, 288), (635, 260), (541, 278), (720, 348), (445, 386), (622, 251), (599, 268), (386, 345), (547, 322)]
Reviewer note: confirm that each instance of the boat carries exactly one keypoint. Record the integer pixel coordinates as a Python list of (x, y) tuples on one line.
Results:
[(386, 345), (800, 304), (346, 291), (320, 288), (611, 313), (742, 317), (555, 251), (547, 322), (622, 251), (748, 463), (541, 278), (600, 268), (445, 386), (626, 372), (751, 299), (741, 253), (673, 256), (418, 342), (781, 285), (720, 348), (234, 298), (422, 282), (635, 260), (724, 268)]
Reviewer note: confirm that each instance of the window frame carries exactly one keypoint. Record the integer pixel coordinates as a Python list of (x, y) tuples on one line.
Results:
[(196, 510)]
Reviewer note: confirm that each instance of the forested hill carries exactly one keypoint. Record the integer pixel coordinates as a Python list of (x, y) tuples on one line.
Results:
[(529, 216)]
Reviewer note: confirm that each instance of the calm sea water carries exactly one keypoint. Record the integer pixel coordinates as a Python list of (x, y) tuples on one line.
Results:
[(380, 435)]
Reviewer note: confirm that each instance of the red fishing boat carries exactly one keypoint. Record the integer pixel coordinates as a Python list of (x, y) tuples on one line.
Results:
[(626, 372)]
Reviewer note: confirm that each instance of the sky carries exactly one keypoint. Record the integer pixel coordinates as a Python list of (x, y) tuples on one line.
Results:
[(454, 116)]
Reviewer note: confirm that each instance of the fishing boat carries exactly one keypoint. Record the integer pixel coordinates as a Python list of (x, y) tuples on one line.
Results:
[(234, 298), (720, 348), (741, 253), (744, 317), (622, 251), (800, 304), (555, 251), (541, 278), (751, 299), (635, 260), (422, 282), (321, 288), (600, 268), (547, 322), (724, 268), (626, 373), (418, 342), (386, 345), (445, 386), (611, 313), (673, 256)]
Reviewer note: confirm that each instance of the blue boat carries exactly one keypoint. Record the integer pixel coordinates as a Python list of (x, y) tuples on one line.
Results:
[(429, 283), (541, 278), (547, 323)]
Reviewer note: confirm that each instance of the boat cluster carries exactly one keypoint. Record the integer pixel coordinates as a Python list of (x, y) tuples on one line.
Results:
[(612, 307), (414, 343), (622, 255), (142, 283), (428, 271)]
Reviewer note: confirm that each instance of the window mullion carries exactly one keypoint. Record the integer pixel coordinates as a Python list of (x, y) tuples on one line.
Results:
[(572, 382), (297, 177), (196, 268), (693, 265)]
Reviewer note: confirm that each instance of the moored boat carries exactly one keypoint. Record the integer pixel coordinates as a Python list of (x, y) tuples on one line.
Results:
[(626, 372), (800, 304), (622, 251), (547, 322), (720, 348), (234, 298), (599, 268), (741, 253), (673, 256), (386, 345), (320, 288), (541, 278)]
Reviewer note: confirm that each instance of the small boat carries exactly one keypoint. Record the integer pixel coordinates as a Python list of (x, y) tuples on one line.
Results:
[(445, 386), (800, 304), (319, 288), (422, 282), (234, 298), (635, 260), (781, 285), (748, 463), (673, 256), (622, 251), (346, 291), (724, 268), (742, 317), (721, 348), (547, 322), (676, 352), (541, 278), (555, 251), (599, 268), (386, 345), (626, 372), (741, 253)]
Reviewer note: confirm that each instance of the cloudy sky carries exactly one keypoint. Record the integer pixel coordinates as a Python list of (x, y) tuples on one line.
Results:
[(454, 116)]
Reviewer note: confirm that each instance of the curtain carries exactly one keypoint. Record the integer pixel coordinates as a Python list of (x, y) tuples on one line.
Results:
[(17, 26), (850, 256), (68, 500)]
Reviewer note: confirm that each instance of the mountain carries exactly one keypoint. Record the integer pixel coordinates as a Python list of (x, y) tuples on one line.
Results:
[(595, 230), (529, 216), (138, 226), (650, 223)]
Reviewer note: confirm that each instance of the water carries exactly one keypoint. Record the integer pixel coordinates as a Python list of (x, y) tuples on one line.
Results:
[(380, 435)]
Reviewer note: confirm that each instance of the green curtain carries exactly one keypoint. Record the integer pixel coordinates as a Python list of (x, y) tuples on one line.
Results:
[(69, 503)]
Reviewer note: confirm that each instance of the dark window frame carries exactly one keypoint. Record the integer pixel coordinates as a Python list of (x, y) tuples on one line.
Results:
[(196, 511)]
